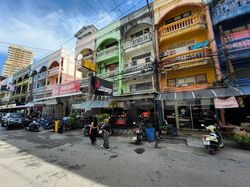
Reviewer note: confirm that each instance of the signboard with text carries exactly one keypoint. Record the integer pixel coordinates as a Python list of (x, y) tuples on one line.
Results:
[(89, 65), (66, 88), (230, 102), (100, 87)]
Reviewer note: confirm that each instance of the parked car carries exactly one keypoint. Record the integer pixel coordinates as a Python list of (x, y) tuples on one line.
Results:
[(14, 119)]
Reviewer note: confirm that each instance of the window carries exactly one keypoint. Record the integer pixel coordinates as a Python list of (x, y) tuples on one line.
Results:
[(141, 56), (140, 86), (171, 83), (176, 18), (201, 79), (147, 59), (111, 44), (185, 81), (134, 63)]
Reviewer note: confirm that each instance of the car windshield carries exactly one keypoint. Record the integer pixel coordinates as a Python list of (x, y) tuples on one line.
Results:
[(16, 115)]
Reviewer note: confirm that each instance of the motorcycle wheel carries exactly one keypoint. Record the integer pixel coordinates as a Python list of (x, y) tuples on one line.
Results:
[(86, 133), (212, 151)]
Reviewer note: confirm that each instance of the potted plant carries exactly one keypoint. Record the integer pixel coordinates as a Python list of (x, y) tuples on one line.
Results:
[(242, 138)]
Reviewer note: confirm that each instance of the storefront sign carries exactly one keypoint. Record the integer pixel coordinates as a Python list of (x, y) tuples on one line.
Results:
[(89, 65), (66, 88), (230, 102), (100, 87)]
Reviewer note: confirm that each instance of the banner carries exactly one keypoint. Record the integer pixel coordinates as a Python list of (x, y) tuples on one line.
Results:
[(100, 87), (230, 102), (66, 88)]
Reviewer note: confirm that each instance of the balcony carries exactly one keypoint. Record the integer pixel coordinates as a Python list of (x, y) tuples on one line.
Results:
[(138, 67), (84, 82), (107, 53), (230, 9), (108, 74), (237, 49), (41, 76), (138, 41), (50, 87), (185, 88), (40, 89), (188, 24), (53, 71), (186, 60)]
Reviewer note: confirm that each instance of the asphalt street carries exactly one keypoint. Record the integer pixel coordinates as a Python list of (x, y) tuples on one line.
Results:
[(47, 159)]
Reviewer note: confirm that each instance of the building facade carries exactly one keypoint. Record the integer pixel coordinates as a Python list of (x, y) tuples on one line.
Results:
[(232, 32), (185, 48), (17, 58)]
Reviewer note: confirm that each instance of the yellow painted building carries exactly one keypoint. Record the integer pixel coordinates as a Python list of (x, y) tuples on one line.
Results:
[(185, 45)]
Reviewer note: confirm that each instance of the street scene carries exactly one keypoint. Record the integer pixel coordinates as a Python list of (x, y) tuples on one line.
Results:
[(49, 159), (124, 93)]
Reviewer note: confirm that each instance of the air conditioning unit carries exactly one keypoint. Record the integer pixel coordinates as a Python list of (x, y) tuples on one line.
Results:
[(163, 54), (101, 65)]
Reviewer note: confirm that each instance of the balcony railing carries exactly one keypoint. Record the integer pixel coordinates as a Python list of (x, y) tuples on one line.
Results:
[(230, 9), (108, 74), (41, 76), (50, 87), (53, 71), (136, 67), (40, 89), (188, 22), (108, 51), (239, 44), (84, 82), (190, 57), (138, 40)]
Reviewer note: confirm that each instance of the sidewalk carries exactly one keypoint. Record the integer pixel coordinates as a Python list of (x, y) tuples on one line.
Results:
[(190, 137)]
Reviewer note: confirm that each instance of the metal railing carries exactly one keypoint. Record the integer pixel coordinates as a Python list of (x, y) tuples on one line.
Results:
[(40, 76), (53, 71), (84, 82), (230, 9), (40, 89), (108, 74), (138, 40), (108, 51), (182, 24), (188, 56), (136, 67), (50, 87)]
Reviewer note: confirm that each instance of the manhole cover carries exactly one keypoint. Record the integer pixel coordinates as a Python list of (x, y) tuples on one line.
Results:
[(139, 150)]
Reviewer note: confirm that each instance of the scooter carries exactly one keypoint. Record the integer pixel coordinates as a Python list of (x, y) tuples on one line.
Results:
[(34, 126), (214, 141), (85, 130), (138, 133)]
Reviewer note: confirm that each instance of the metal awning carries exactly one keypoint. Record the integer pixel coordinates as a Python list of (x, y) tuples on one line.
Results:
[(87, 105), (201, 94), (50, 102)]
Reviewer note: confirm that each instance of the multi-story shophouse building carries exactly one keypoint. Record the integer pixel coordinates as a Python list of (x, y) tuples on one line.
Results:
[(109, 55), (21, 82), (85, 51), (54, 82), (232, 32), (188, 68), (137, 67)]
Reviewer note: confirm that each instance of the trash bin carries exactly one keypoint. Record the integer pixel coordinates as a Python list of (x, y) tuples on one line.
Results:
[(56, 125), (150, 133)]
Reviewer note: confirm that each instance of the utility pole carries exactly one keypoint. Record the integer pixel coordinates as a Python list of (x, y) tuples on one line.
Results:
[(230, 68)]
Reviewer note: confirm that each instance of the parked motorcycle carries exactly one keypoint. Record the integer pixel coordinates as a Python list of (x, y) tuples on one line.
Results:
[(86, 130), (138, 133), (34, 125), (214, 140), (47, 123)]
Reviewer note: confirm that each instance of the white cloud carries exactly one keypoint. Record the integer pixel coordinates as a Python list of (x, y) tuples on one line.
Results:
[(44, 30)]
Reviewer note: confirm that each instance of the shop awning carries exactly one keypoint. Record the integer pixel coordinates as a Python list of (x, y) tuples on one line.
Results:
[(50, 102), (245, 90), (87, 105), (200, 94)]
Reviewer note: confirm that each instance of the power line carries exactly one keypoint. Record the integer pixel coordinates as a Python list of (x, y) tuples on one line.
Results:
[(25, 46)]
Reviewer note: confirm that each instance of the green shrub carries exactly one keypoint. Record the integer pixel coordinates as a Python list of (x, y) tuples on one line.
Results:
[(101, 117), (242, 137)]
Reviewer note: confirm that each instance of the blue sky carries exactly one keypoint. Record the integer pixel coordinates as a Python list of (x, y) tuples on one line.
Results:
[(46, 24)]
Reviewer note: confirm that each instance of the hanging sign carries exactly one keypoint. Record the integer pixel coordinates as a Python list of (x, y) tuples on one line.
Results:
[(230, 102)]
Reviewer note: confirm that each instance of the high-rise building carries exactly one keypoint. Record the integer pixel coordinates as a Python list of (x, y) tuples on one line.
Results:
[(17, 58)]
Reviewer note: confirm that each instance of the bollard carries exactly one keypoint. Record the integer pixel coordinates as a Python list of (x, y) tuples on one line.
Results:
[(56, 125)]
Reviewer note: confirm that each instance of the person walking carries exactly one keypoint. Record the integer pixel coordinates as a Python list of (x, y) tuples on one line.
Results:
[(60, 126), (106, 132), (93, 130)]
